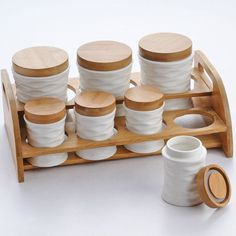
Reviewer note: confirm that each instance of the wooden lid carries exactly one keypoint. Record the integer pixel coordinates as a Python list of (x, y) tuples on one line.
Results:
[(104, 55), (40, 61), (94, 103), (165, 47), (45, 110), (143, 98), (214, 186)]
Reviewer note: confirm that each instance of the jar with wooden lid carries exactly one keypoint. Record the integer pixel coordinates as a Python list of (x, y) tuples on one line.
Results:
[(143, 115), (39, 72), (105, 66), (94, 115), (166, 62), (45, 125)]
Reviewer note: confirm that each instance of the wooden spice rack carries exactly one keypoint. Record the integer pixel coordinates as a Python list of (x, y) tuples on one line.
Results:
[(208, 96)]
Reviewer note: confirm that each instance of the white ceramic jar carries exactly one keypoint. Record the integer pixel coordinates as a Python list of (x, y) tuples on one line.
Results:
[(166, 62), (184, 156), (94, 114), (39, 72), (143, 115), (45, 125), (105, 66)]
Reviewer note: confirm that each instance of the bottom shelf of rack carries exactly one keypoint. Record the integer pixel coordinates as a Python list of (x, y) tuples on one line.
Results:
[(209, 141), (73, 159)]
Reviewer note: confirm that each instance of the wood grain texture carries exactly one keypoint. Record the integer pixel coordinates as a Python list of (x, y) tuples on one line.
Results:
[(143, 98), (45, 110), (40, 61), (218, 101), (215, 192), (11, 120), (217, 185), (165, 47), (94, 103), (104, 55)]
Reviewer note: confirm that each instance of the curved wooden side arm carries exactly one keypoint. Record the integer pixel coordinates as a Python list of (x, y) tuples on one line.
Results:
[(12, 126), (218, 100)]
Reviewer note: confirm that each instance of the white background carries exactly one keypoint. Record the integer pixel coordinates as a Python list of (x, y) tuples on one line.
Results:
[(118, 197)]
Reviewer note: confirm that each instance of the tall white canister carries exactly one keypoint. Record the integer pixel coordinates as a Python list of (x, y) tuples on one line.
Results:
[(105, 66), (39, 72), (94, 114), (166, 62), (45, 126), (184, 157), (143, 115)]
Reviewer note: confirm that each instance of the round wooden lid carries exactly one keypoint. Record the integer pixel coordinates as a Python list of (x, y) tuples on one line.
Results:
[(40, 61), (143, 98), (45, 110), (165, 47), (104, 55), (214, 186), (94, 103)]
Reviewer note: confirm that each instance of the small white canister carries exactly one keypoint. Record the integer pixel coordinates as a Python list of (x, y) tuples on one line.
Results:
[(184, 156), (143, 114), (94, 114), (105, 66), (40, 72), (166, 62), (45, 124)]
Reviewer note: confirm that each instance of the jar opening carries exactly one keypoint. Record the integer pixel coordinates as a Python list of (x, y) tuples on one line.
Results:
[(184, 144)]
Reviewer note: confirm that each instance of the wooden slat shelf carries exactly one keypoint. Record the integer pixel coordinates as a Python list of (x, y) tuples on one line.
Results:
[(200, 91), (212, 141), (209, 100), (124, 136)]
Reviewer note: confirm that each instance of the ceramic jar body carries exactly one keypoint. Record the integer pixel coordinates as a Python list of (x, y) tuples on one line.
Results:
[(144, 123), (46, 135), (28, 88), (184, 156), (96, 128), (169, 77), (115, 82)]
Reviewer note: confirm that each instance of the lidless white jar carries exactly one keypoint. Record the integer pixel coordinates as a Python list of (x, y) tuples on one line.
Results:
[(183, 156), (143, 115), (166, 62), (105, 66), (40, 72)]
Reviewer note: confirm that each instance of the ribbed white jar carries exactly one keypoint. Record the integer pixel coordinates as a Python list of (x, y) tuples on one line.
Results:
[(166, 62), (170, 77), (96, 128), (28, 88), (40, 71), (105, 66), (183, 156), (115, 82), (144, 123), (46, 135)]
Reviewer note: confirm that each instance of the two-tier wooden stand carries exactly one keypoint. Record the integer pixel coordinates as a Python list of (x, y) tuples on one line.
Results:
[(209, 99)]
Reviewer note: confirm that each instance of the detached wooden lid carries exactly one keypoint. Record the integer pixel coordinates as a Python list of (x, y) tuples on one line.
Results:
[(213, 186), (143, 98), (45, 110), (40, 61), (104, 55), (165, 47), (94, 103)]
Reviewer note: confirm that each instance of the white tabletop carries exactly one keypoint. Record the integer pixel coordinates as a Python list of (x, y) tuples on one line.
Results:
[(117, 197)]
